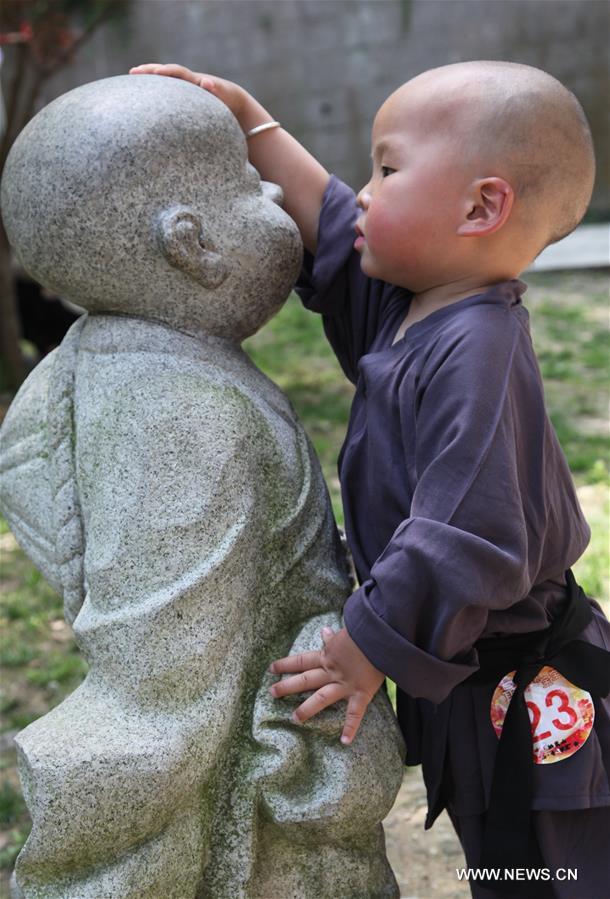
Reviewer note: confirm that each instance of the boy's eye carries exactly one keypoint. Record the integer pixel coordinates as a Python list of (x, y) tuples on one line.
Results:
[(386, 170)]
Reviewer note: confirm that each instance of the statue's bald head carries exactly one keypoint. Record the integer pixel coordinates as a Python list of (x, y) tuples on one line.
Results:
[(135, 195), (521, 123)]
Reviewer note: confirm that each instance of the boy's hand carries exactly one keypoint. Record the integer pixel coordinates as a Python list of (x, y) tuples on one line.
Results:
[(276, 155), (231, 94), (339, 671)]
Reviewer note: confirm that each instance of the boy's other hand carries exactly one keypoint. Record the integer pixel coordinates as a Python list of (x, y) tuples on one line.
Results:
[(232, 95), (339, 671)]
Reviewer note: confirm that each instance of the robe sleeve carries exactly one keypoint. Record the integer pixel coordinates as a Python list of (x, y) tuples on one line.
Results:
[(332, 282), (172, 497), (472, 540)]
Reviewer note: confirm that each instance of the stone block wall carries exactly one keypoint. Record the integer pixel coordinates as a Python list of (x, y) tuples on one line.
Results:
[(324, 66)]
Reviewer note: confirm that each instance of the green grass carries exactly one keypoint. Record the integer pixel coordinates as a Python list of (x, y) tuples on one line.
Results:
[(11, 804), (293, 352), (572, 339), (569, 315)]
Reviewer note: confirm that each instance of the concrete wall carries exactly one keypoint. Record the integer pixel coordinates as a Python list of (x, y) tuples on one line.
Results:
[(323, 67)]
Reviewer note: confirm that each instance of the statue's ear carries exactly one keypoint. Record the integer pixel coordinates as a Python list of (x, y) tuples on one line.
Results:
[(182, 241)]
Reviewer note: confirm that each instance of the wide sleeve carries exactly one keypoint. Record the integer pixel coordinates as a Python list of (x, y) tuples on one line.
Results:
[(170, 486), (471, 543), (333, 284)]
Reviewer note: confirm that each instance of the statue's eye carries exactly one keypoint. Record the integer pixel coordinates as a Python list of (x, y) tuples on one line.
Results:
[(386, 170)]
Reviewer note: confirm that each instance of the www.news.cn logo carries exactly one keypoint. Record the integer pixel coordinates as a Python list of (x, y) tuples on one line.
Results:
[(518, 874)]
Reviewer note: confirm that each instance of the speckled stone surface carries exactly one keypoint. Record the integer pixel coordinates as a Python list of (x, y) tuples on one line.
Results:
[(165, 486)]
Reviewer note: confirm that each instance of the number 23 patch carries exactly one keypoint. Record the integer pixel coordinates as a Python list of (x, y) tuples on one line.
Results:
[(561, 714)]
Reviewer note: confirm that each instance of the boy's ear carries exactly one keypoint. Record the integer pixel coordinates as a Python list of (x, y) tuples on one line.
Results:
[(182, 241), (487, 207)]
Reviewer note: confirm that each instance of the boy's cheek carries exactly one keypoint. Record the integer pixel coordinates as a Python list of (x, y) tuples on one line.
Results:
[(368, 264), (383, 229), (383, 249)]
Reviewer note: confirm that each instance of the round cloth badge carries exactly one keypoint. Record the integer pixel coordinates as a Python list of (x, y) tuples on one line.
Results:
[(561, 714)]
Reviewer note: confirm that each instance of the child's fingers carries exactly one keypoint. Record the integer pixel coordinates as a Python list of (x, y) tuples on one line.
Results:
[(300, 683), (167, 68), (356, 707), (324, 697), (302, 661), (152, 68), (173, 70)]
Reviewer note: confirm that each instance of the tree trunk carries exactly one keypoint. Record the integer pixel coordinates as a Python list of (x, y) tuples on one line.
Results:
[(11, 357), (24, 86)]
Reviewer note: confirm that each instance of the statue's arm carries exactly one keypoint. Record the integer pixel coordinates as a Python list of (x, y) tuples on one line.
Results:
[(173, 523), (26, 485)]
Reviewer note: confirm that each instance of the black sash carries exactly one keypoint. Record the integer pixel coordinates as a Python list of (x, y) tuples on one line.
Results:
[(507, 837)]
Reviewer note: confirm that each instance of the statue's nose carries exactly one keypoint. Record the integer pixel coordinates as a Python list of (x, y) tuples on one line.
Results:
[(273, 192)]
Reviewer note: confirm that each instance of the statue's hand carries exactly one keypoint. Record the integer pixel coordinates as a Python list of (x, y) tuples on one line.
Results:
[(339, 671), (231, 94)]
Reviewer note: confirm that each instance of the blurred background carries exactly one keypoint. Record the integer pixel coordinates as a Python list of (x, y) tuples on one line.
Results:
[(322, 67)]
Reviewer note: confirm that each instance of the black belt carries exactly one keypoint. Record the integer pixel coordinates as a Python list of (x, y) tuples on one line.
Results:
[(507, 837)]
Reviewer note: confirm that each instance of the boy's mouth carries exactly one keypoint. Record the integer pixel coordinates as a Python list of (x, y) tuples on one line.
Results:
[(359, 242)]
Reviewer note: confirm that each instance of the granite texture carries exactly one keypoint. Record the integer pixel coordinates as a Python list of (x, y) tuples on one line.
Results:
[(165, 486)]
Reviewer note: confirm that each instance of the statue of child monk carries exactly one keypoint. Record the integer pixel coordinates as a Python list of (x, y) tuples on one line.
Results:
[(165, 486)]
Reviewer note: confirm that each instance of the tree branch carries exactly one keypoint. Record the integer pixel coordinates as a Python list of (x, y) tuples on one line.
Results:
[(83, 37), (13, 100)]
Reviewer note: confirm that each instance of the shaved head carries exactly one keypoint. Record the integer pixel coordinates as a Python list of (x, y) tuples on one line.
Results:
[(519, 123)]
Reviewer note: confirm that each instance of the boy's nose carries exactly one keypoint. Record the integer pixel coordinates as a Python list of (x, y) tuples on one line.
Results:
[(364, 198), (273, 192)]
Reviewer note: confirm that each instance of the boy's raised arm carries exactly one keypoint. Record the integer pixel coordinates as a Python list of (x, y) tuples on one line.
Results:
[(276, 155)]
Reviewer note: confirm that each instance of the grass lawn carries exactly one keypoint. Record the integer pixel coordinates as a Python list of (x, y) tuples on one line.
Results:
[(570, 326)]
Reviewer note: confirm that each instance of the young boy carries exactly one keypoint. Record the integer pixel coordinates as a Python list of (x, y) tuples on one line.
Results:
[(460, 510)]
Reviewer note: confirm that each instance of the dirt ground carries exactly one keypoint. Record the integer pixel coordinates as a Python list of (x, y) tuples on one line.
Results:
[(424, 861)]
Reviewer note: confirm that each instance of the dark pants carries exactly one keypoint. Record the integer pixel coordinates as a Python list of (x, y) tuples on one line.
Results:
[(567, 840)]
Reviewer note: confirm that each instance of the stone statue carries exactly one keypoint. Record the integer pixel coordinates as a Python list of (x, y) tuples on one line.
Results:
[(164, 485)]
